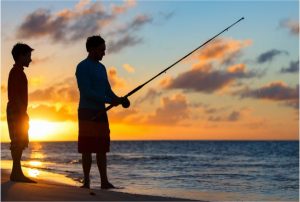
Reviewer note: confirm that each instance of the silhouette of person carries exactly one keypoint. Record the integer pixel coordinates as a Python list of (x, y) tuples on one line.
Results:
[(95, 91), (16, 111)]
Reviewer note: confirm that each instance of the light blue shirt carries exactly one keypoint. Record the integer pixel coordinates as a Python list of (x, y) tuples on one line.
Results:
[(93, 85)]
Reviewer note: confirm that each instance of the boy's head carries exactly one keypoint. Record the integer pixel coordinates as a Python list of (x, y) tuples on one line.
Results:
[(95, 46), (22, 54)]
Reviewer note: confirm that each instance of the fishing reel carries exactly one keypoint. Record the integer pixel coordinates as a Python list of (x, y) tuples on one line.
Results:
[(125, 102)]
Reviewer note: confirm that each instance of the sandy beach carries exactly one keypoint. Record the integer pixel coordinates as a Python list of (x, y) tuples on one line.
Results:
[(49, 190)]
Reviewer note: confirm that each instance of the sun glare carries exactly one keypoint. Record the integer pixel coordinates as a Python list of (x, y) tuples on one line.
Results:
[(41, 129)]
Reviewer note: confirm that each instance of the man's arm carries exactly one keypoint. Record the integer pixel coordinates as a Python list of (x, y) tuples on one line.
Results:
[(84, 86)]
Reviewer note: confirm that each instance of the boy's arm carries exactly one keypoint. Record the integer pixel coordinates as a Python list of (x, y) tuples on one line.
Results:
[(13, 88)]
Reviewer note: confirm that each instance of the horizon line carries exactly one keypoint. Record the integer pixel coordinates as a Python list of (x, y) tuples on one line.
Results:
[(178, 140)]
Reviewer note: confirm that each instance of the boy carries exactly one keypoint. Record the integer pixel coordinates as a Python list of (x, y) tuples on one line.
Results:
[(16, 111)]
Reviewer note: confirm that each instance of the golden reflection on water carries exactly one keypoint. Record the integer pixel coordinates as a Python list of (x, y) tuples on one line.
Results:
[(35, 163), (37, 155), (32, 172), (37, 151)]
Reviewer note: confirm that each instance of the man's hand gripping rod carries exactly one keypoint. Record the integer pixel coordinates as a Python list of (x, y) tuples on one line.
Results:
[(165, 70)]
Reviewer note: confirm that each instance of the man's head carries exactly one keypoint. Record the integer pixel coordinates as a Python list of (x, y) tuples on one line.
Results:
[(95, 46), (22, 54)]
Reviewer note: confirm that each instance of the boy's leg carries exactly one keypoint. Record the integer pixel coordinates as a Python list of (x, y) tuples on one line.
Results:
[(86, 166), (16, 155), (17, 173)]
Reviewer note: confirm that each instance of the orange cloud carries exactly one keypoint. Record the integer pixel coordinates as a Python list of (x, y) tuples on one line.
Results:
[(129, 68), (114, 79), (222, 50), (292, 25), (118, 9), (3, 89), (237, 68), (62, 92), (172, 111), (35, 81), (121, 115), (149, 96), (52, 113), (81, 4)]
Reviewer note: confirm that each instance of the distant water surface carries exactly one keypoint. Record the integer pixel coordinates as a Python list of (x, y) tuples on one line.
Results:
[(207, 170)]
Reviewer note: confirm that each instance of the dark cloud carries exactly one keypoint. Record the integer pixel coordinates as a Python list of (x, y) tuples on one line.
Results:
[(234, 116), (65, 91), (269, 55), (36, 24), (207, 80), (123, 115), (292, 68), (204, 78), (167, 16), (139, 21), (125, 34), (276, 91), (86, 19), (66, 25), (125, 41), (89, 25), (215, 118), (173, 111), (273, 91), (150, 96), (211, 110), (291, 25)]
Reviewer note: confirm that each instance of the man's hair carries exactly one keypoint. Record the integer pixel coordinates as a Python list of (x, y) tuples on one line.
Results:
[(20, 49), (94, 41)]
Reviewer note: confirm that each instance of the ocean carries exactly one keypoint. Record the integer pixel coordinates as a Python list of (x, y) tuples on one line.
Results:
[(203, 170)]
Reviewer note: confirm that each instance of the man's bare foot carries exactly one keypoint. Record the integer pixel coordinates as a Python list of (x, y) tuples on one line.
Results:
[(107, 185), (85, 186)]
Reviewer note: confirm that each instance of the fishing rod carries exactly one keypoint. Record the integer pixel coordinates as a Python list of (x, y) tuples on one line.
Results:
[(165, 70)]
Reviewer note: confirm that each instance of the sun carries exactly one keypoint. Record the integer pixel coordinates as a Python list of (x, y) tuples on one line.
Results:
[(41, 130)]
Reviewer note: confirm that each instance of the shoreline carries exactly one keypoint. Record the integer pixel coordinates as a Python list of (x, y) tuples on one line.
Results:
[(47, 189)]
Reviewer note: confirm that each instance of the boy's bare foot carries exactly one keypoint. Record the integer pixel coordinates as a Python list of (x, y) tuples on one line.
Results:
[(21, 179)]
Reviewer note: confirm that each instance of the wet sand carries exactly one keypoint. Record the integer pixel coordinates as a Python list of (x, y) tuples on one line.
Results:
[(52, 190)]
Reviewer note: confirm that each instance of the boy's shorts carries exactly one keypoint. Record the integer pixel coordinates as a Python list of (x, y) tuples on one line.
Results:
[(18, 125)]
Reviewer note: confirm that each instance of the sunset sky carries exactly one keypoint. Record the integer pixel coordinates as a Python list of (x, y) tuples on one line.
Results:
[(242, 86)]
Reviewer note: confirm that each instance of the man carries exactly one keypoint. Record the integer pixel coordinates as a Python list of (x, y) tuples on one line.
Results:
[(95, 91), (17, 117)]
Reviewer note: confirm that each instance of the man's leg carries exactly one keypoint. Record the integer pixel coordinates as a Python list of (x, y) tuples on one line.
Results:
[(102, 167), (86, 165)]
